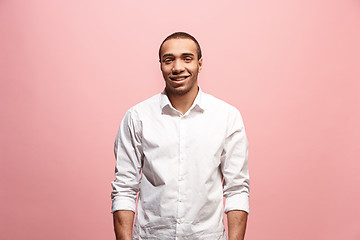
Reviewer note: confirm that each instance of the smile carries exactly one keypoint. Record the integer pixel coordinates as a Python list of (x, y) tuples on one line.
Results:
[(180, 78)]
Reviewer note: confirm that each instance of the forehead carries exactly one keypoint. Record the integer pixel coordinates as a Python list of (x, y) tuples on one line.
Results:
[(179, 46)]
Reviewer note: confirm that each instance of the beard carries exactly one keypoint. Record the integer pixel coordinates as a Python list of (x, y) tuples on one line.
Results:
[(180, 90), (177, 91)]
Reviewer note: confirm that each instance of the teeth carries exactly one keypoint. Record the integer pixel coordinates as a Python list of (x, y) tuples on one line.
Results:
[(179, 79)]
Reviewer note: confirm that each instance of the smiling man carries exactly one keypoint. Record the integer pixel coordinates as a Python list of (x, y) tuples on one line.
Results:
[(182, 150)]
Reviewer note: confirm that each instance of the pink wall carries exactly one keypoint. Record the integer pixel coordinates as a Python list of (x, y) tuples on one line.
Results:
[(70, 69)]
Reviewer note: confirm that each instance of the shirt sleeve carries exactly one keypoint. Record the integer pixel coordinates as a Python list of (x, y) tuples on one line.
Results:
[(128, 164), (234, 165)]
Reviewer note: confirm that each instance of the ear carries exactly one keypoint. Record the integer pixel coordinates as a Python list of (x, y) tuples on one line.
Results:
[(200, 64), (160, 65)]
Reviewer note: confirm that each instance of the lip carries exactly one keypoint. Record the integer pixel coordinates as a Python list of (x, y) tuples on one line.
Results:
[(179, 78)]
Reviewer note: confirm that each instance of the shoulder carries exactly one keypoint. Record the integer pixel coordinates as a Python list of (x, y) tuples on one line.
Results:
[(219, 105), (147, 106), (220, 109), (226, 114)]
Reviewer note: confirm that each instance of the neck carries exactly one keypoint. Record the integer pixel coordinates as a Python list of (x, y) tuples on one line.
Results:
[(182, 103)]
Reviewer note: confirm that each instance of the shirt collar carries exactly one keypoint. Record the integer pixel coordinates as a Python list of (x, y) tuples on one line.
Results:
[(198, 103)]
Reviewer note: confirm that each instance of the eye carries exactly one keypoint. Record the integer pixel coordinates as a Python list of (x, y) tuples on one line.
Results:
[(188, 59), (167, 60)]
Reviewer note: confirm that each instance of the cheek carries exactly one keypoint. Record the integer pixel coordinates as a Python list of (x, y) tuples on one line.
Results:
[(194, 68), (165, 69), (163, 72)]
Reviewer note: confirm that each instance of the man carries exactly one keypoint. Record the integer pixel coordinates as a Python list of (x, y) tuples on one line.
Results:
[(183, 150)]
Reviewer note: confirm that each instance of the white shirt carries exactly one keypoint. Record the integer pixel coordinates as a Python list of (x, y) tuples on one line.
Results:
[(188, 161)]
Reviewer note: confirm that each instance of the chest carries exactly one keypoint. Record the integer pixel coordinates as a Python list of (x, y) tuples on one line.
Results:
[(198, 134)]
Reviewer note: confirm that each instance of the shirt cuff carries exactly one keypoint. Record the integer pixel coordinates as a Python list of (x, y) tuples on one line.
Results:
[(123, 204), (237, 202)]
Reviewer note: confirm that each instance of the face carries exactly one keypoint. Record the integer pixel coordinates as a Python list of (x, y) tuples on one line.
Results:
[(180, 66)]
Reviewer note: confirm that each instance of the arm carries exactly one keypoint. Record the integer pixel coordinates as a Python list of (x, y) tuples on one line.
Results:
[(236, 224), (127, 177), (234, 167), (123, 223)]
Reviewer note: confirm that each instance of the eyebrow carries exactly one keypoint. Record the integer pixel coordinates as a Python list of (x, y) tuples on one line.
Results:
[(187, 54), (183, 54)]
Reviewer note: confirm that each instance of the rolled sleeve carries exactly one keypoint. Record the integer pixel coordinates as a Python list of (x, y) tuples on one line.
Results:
[(234, 166), (128, 164)]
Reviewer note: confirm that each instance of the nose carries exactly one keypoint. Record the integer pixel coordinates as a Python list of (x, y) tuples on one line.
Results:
[(177, 67)]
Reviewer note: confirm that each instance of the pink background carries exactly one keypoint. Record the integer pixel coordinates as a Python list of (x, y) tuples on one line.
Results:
[(70, 69)]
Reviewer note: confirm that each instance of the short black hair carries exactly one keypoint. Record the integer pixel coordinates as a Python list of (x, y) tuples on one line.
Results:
[(181, 35)]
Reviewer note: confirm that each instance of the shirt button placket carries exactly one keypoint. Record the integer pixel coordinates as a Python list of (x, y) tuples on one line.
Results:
[(181, 173)]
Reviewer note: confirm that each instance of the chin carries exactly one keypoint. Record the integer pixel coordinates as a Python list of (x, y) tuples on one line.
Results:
[(178, 91)]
